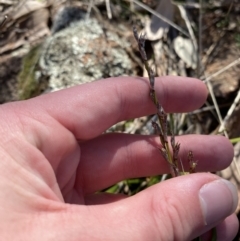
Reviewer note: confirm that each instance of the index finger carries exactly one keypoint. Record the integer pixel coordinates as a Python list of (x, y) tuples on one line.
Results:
[(88, 110)]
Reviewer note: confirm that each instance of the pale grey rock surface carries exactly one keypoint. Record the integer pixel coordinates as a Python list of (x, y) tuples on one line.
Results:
[(81, 51)]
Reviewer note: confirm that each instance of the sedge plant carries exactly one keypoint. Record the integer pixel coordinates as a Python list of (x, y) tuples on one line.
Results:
[(169, 149)]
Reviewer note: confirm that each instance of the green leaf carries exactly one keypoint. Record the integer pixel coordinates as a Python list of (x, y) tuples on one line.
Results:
[(235, 140)]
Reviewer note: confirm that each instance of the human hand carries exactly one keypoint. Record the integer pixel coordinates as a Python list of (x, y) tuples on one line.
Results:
[(54, 158)]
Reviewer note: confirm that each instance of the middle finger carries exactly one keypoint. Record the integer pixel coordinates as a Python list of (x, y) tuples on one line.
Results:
[(111, 158)]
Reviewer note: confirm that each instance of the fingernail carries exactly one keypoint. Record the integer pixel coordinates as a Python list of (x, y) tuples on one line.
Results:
[(218, 199)]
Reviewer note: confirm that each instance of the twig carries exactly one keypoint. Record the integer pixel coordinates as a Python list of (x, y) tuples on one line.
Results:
[(89, 9), (210, 88), (232, 64), (230, 111), (199, 68), (109, 12), (7, 2), (209, 85), (210, 50), (208, 108), (4, 21), (222, 124), (221, 35), (189, 27)]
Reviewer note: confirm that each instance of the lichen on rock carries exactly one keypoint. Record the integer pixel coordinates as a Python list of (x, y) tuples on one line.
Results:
[(78, 52), (81, 53)]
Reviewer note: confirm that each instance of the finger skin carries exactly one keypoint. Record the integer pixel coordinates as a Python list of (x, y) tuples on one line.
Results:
[(111, 158), (226, 229), (88, 110), (51, 123), (167, 211)]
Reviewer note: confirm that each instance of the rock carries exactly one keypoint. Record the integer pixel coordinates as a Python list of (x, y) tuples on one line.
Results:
[(79, 52)]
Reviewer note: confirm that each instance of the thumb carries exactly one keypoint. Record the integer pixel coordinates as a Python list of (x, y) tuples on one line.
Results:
[(184, 208), (181, 209)]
